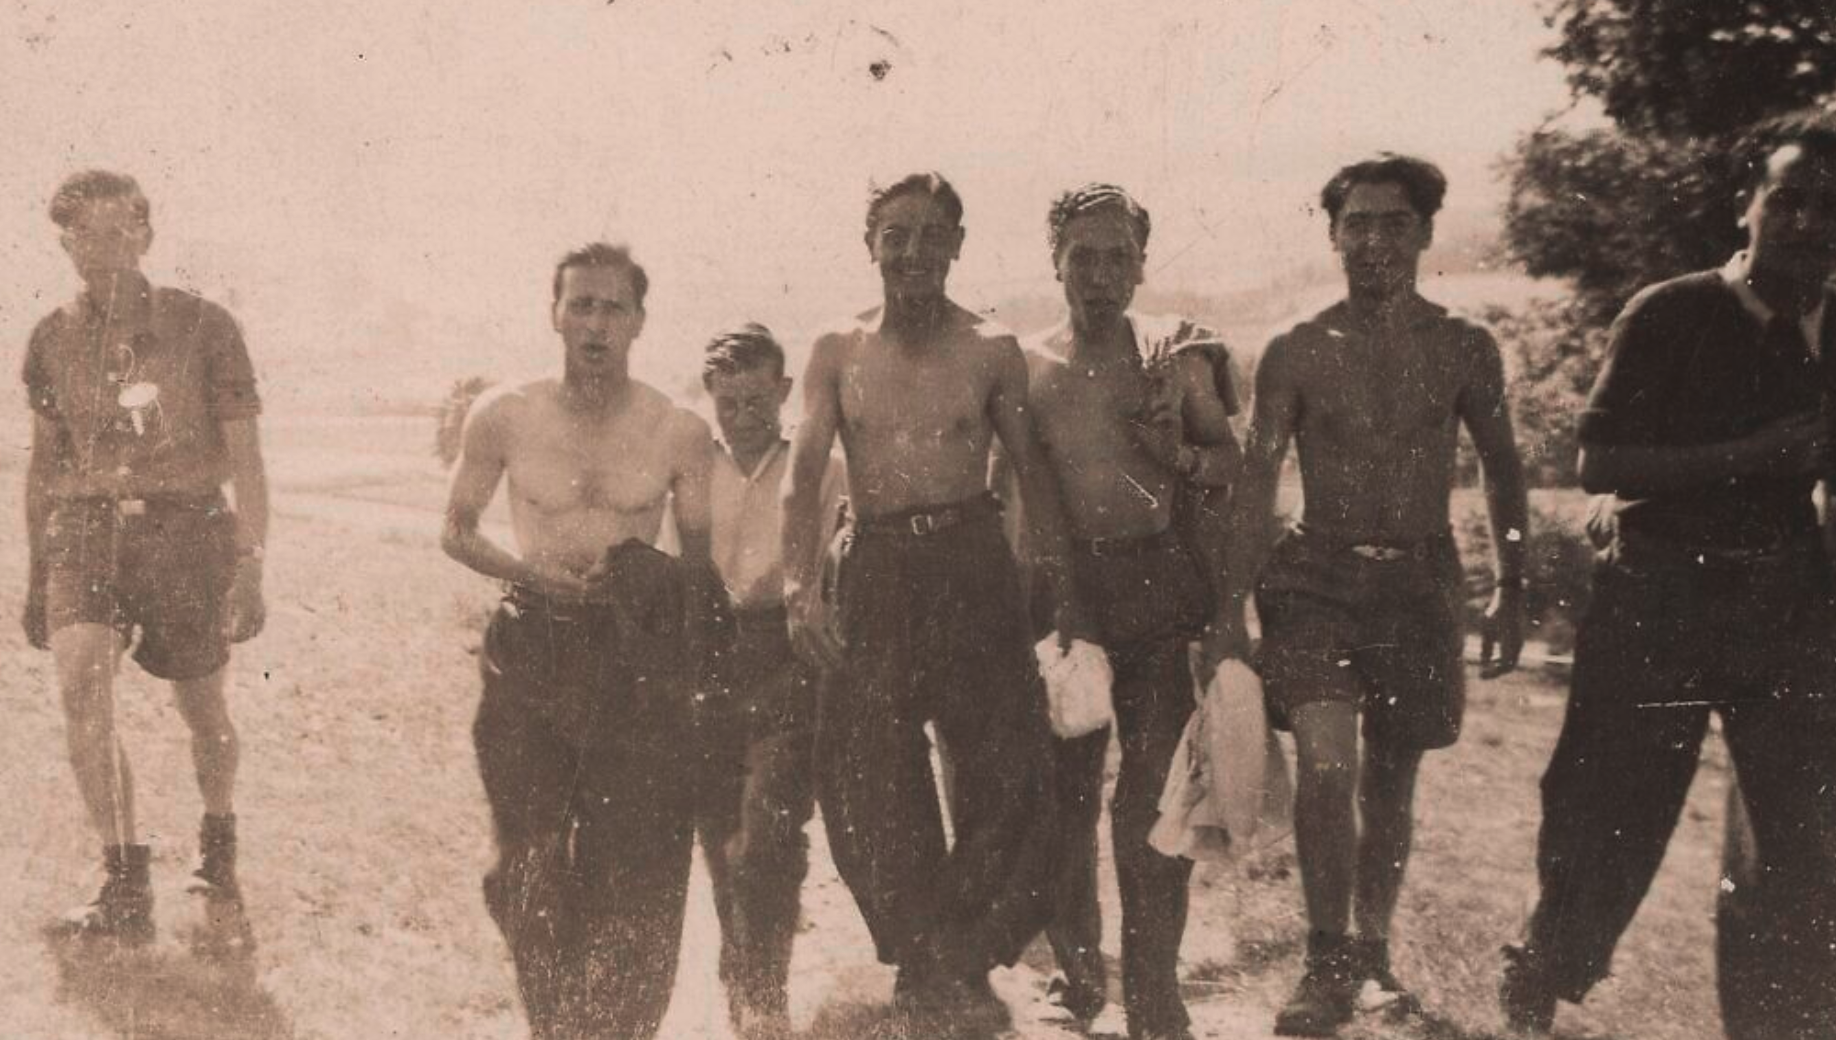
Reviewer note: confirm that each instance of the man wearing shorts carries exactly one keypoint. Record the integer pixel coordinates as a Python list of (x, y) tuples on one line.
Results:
[(1113, 399), (1709, 425), (932, 625), (585, 729), (144, 407), (1360, 602), (757, 724)]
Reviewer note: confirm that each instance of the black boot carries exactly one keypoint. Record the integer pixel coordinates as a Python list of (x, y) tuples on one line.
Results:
[(123, 910), (1327, 994), (215, 878)]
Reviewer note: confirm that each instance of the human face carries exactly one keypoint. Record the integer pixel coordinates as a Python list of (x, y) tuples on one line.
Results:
[(914, 241), (598, 317), (106, 239), (1791, 218), (747, 405), (1099, 263), (1380, 239)]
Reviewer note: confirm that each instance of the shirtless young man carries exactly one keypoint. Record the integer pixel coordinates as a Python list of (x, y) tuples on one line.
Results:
[(1360, 603), (932, 626), (584, 731), (1114, 432)]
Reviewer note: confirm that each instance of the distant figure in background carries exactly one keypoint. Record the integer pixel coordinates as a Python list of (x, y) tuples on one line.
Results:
[(758, 707), (932, 625), (585, 730), (1360, 603), (1127, 411), (144, 406), (1709, 423)]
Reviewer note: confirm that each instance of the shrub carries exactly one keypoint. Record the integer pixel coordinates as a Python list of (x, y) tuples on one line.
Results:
[(449, 416)]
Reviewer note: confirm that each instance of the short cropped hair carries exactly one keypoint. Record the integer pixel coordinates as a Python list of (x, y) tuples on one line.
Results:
[(929, 182), (604, 254), (86, 186), (741, 349), (1811, 129), (1089, 199), (1421, 181)]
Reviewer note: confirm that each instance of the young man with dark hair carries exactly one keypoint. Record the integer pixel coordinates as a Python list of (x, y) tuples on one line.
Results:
[(1117, 402), (1709, 423), (1360, 603), (585, 730), (757, 722), (144, 407), (931, 622)]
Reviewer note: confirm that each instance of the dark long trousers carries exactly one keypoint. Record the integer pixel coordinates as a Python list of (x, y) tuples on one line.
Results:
[(1147, 607), (756, 759), (1153, 699), (1664, 644), (936, 632), (583, 754)]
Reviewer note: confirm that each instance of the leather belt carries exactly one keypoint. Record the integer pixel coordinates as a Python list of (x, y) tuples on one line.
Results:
[(929, 520), (1124, 547)]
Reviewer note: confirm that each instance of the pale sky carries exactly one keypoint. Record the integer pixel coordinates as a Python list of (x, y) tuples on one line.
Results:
[(447, 153)]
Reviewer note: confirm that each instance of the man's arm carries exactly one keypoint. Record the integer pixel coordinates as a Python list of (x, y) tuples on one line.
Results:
[(1274, 415), (1487, 415), (46, 461), (1786, 447), (1039, 494), (690, 490), (483, 459), (1214, 458), (249, 483), (802, 507)]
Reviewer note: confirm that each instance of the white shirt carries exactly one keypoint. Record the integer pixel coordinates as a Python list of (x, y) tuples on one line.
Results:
[(748, 523), (1734, 272)]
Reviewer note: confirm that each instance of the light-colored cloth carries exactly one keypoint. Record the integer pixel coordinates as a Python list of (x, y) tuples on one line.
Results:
[(1228, 792), (1078, 682)]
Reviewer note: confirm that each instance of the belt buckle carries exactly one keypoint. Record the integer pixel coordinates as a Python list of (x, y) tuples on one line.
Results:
[(131, 506), (1380, 553), (923, 524), (1100, 547)]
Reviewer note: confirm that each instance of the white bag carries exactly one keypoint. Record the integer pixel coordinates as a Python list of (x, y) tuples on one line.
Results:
[(1229, 791), (1077, 685)]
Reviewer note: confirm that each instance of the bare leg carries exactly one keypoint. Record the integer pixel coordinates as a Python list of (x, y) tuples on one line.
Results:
[(1325, 827), (85, 656), (1386, 803), (215, 749)]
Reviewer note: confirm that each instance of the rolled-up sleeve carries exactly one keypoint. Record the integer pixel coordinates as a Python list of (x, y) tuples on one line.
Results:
[(1630, 396)]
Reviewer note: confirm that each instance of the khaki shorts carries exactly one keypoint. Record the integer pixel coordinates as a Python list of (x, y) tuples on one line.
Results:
[(1382, 634), (161, 566)]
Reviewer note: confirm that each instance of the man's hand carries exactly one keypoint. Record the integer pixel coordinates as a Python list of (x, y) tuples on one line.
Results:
[(1157, 430), (247, 611), (1502, 631), (32, 618), (1226, 637), (812, 632)]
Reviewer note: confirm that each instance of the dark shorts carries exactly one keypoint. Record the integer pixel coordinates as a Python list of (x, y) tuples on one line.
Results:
[(1380, 634), (159, 566)]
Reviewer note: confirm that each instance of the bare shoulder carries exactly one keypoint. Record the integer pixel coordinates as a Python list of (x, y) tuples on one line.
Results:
[(836, 340), (503, 408)]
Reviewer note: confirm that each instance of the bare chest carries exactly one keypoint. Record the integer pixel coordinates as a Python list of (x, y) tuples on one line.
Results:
[(1381, 391), (914, 401), (607, 469)]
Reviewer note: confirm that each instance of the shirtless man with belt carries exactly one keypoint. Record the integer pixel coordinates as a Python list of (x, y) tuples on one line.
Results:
[(1360, 603), (584, 731), (931, 622)]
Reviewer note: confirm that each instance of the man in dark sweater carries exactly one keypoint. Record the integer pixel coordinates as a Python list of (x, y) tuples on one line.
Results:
[(1714, 596)]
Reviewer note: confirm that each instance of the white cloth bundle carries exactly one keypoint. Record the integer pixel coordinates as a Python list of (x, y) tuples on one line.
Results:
[(1077, 685), (1228, 792)]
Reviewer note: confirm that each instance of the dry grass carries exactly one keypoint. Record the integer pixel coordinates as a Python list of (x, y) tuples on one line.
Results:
[(366, 834)]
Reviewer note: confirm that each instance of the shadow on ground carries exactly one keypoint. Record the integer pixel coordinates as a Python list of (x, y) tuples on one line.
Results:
[(168, 992)]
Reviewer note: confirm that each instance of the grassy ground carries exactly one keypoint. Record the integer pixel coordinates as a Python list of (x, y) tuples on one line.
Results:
[(366, 833)]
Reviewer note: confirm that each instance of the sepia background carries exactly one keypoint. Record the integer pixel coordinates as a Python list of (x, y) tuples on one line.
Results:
[(378, 191)]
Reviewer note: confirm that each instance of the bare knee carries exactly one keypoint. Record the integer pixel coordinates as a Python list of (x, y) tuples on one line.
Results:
[(205, 709)]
